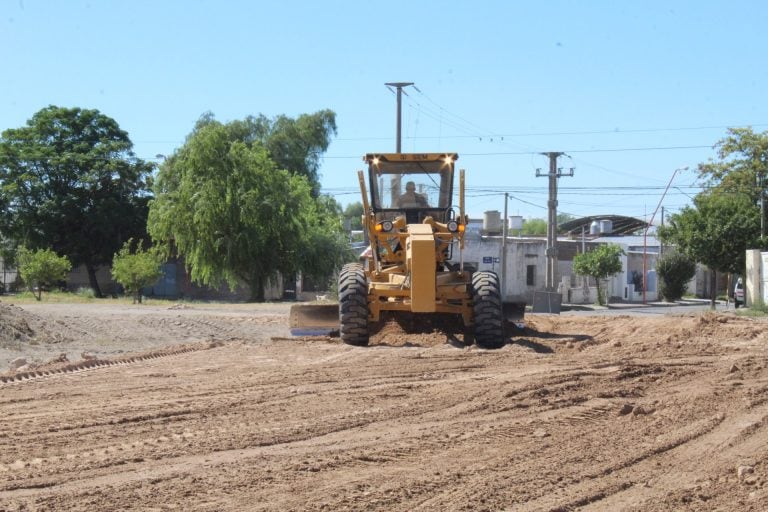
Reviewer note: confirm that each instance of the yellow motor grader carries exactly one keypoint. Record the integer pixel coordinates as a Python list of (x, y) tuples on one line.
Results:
[(414, 263)]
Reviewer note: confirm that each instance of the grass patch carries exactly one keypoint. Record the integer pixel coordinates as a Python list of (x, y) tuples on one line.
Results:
[(81, 296), (759, 309), (87, 297), (86, 293)]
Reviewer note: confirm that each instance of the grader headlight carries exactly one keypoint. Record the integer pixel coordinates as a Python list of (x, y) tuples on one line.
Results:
[(384, 226)]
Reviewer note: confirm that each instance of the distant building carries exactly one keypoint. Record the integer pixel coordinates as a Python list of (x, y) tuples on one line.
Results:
[(525, 270)]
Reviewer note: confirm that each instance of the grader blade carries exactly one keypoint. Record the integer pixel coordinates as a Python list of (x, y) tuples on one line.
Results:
[(314, 319)]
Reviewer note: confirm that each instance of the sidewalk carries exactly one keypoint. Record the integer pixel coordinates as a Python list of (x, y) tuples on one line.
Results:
[(655, 304)]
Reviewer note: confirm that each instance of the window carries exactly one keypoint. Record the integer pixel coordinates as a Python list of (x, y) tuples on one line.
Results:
[(530, 275)]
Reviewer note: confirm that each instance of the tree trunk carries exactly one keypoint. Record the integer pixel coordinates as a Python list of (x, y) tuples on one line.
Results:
[(713, 290), (257, 289), (92, 280), (599, 295)]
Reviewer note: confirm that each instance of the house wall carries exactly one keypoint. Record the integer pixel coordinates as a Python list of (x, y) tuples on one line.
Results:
[(78, 278), (756, 277), (9, 276), (484, 253), (624, 286), (173, 284), (176, 284)]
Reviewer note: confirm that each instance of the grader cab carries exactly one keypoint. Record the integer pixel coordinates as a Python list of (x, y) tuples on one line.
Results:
[(414, 263)]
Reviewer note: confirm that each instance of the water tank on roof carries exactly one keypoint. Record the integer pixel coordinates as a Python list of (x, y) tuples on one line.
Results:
[(606, 227), (492, 221), (516, 222), (594, 228)]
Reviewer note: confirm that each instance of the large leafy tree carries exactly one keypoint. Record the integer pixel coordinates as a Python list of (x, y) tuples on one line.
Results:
[(741, 166), (69, 181), (725, 220), (716, 231), (599, 263), (236, 216)]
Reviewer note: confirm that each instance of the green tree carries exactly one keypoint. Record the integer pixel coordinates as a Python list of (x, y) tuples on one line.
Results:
[(741, 166), (295, 145), (325, 247), (599, 263), (136, 269), (235, 216), (674, 269), (69, 181), (716, 231), (41, 268), (354, 214), (534, 227)]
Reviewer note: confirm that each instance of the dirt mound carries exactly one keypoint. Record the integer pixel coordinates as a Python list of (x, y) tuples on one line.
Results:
[(18, 326), (550, 333), (39, 331), (703, 328), (417, 330)]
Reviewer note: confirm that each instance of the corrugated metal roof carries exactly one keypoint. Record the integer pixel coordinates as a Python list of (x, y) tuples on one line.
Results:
[(621, 225)]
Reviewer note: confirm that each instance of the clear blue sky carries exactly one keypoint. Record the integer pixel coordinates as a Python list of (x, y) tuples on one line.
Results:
[(498, 82)]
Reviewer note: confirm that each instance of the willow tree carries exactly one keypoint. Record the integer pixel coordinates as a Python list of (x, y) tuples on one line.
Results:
[(226, 207), (294, 144)]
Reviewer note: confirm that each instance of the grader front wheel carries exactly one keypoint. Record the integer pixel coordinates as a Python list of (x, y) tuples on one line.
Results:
[(488, 315), (353, 305)]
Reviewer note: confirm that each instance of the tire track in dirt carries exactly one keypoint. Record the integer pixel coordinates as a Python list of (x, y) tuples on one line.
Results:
[(93, 364), (320, 426), (121, 421)]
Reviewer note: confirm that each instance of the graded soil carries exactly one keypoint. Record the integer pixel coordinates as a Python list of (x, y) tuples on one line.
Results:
[(216, 408)]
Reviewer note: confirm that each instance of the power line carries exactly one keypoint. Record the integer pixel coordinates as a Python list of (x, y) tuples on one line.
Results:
[(495, 135), (563, 133), (594, 150)]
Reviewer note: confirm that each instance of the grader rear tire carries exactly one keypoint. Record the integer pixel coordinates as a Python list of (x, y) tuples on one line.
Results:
[(353, 305), (488, 315)]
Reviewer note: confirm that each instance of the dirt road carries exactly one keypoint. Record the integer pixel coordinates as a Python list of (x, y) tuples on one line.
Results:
[(592, 413)]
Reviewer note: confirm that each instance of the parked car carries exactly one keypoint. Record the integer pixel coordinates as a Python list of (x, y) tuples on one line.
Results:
[(738, 293)]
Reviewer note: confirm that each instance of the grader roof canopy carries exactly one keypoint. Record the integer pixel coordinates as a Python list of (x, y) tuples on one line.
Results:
[(425, 178)]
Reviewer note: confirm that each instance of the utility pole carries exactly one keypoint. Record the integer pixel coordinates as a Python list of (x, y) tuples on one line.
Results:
[(504, 233), (399, 86), (553, 175), (760, 186), (661, 244), (648, 226)]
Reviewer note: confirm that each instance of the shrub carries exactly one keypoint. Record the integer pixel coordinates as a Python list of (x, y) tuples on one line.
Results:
[(41, 269), (86, 292), (674, 270), (135, 270)]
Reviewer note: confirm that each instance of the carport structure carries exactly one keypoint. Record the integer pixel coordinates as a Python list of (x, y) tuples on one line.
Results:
[(620, 225)]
